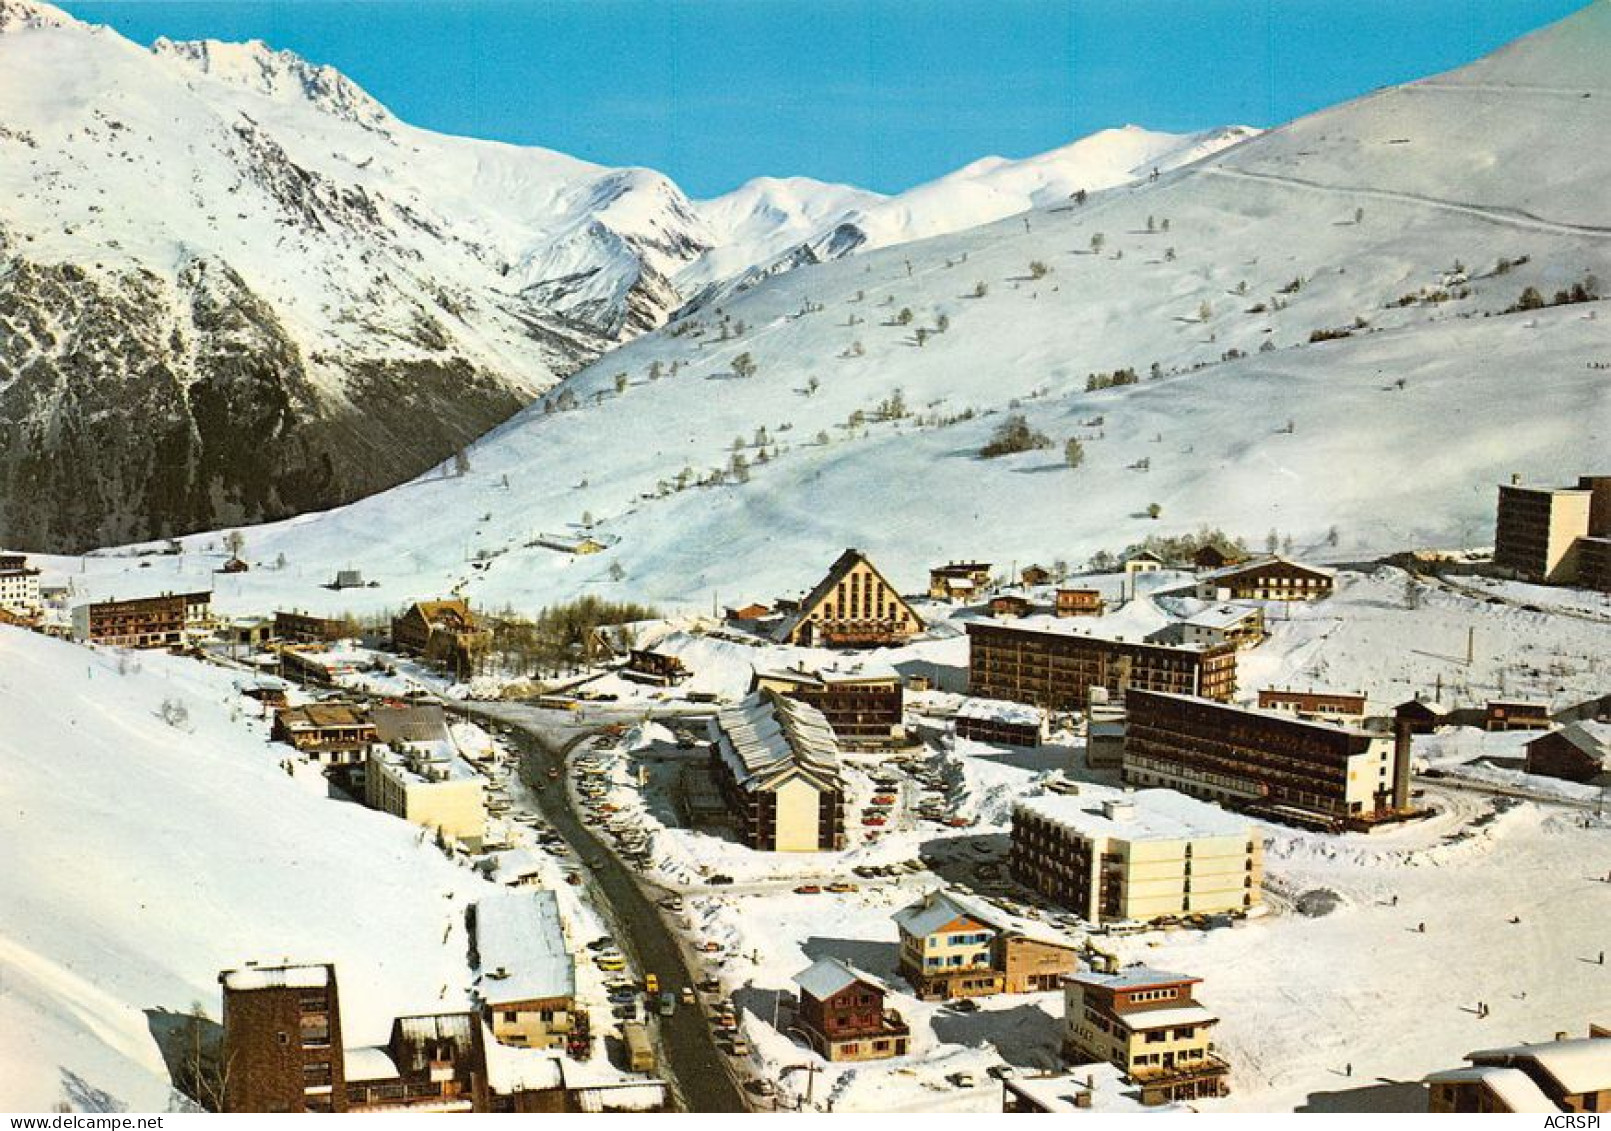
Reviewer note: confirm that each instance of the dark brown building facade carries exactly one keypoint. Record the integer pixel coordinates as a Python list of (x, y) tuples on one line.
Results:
[(445, 632), (1056, 670), (142, 622), (842, 1014), (1241, 756), (304, 628), (282, 1040)]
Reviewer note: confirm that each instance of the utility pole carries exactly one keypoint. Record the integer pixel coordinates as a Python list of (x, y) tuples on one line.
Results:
[(1471, 644)]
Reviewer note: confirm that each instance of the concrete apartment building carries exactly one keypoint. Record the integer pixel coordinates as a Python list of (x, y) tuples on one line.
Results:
[(1047, 662), (1555, 535), (1154, 854), (19, 585), (527, 975), (415, 772), (163, 621), (776, 763), (862, 699), (1147, 1024), (1274, 763)]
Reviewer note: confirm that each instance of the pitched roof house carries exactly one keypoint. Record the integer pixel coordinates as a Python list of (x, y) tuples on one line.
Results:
[(852, 607)]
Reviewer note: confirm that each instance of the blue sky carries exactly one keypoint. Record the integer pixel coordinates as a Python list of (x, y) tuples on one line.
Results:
[(880, 93)]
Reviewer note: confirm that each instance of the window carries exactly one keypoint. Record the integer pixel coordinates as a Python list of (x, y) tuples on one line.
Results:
[(510, 1017)]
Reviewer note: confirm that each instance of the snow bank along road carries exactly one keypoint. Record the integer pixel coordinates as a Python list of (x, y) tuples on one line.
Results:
[(700, 1075)]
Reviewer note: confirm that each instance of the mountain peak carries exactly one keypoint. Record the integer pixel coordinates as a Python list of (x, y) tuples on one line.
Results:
[(281, 75), (16, 15)]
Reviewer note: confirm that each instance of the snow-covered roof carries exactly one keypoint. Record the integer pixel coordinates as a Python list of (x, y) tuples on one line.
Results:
[(426, 762), (1110, 1092), (519, 934), (369, 1062), (1126, 628), (1514, 1087), (1252, 565), (1167, 1017), (1132, 977), (1149, 814), (276, 977), (519, 863), (1581, 1064), (768, 733), (511, 1069), (1000, 711), (619, 1097), (1592, 738), (833, 672), (934, 911), (1222, 616), (828, 976)]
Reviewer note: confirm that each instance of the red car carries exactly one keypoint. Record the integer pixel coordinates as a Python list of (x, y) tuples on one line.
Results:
[(808, 889), (958, 822), (872, 820), (883, 799)]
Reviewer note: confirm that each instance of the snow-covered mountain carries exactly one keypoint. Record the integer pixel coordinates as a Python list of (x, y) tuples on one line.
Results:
[(234, 286), (1316, 321)]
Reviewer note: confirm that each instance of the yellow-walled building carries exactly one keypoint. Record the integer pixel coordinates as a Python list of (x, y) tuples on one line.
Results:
[(1147, 1024), (1151, 854)]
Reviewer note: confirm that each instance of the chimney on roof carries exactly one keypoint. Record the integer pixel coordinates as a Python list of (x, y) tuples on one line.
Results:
[(1515, 479), (1560, 1034), (1118, 810), (1082, 1099)]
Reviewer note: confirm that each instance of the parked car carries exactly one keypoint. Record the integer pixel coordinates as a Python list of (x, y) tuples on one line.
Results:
[(842, 886), (963, 1005), (963, 1079), (808, 889), (720, 880), (1002, 1071)]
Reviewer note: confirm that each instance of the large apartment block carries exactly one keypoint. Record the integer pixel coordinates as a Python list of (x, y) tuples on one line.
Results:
[(1055, 667), (1538, 530), (144, 622), (1283, 764), (776, 762), (19, 584), (1153, 854)]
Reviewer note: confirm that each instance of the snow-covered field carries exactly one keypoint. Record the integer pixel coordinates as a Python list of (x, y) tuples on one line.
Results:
[(145, 856), (1300, 998)]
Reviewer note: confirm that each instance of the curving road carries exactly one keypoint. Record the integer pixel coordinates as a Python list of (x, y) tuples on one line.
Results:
[(698, 1072)]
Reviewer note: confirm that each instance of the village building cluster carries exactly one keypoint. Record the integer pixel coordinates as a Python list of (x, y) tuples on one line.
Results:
[(1195, 760)]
